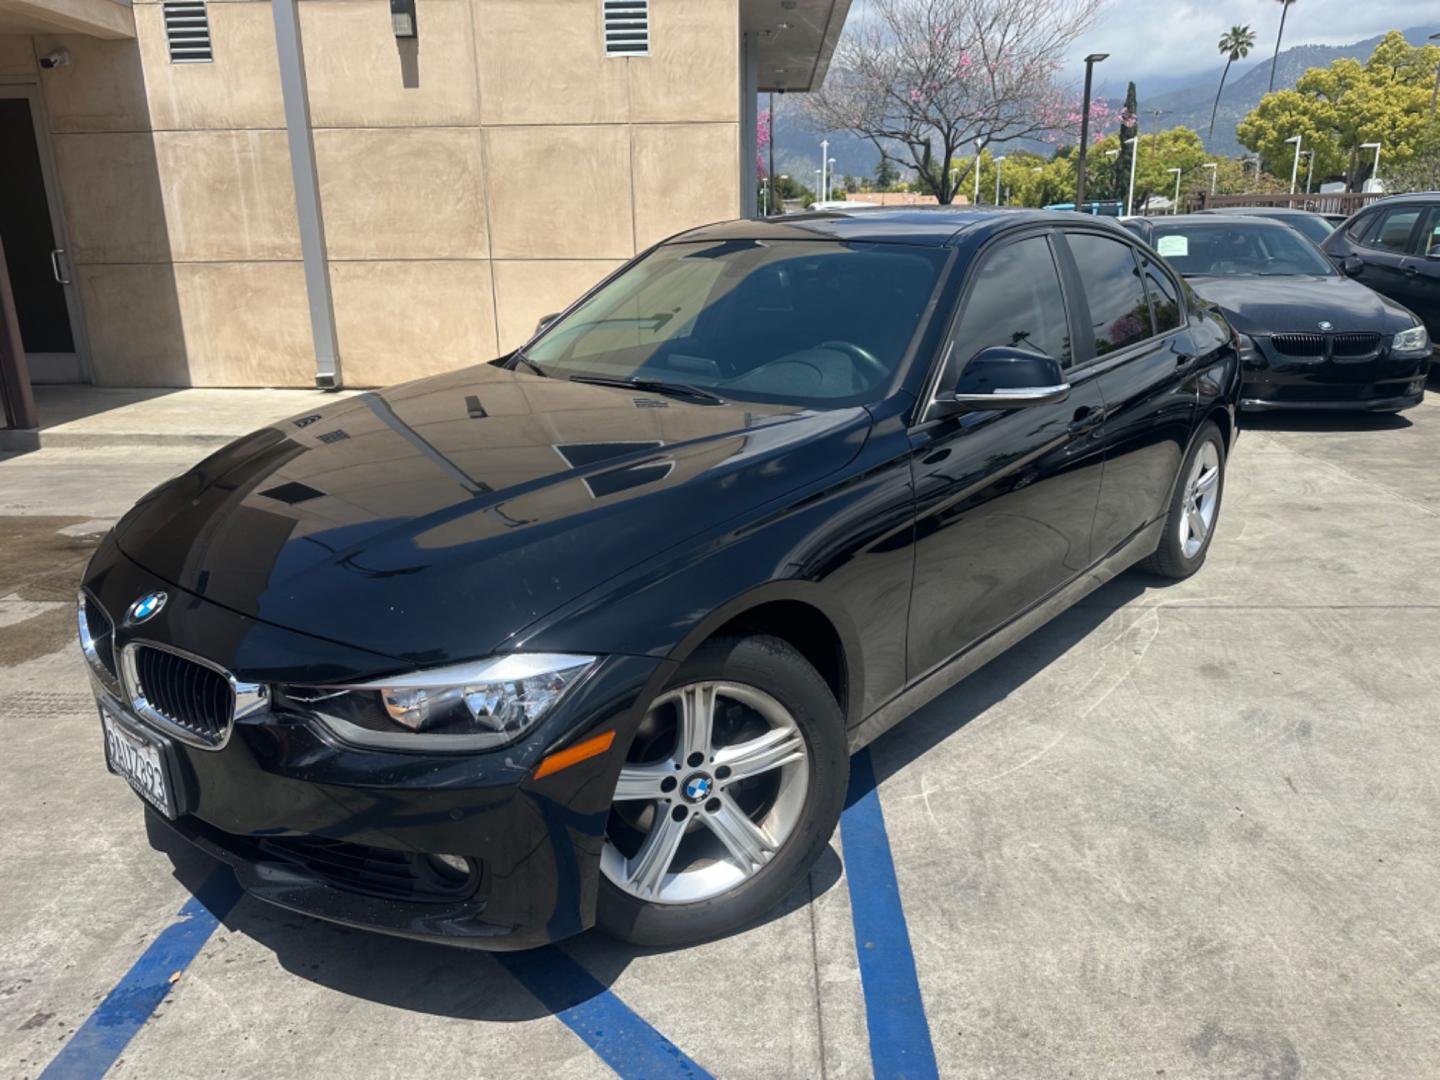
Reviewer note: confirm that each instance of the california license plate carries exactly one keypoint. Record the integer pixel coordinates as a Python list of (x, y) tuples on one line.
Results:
[(140, 761)]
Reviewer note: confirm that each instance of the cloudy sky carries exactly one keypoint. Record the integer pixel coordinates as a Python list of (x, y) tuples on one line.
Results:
[(1171, 39)]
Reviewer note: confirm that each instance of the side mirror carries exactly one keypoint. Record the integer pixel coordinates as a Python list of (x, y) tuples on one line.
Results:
[(1006, 378), (546, 320), (1352, 265)]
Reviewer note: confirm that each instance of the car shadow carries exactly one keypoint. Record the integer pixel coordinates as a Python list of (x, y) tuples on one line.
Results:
[(1327, 422), (439, 980), (936, 721)]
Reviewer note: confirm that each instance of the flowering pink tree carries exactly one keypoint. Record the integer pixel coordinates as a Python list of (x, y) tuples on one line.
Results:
[(929, 80), (763, 135)]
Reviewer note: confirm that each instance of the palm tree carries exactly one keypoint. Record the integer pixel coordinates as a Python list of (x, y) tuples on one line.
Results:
[(1284, 9), (1236, 45)]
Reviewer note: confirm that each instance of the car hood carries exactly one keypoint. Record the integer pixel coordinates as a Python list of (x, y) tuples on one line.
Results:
[(432, 521), (1287, 305)]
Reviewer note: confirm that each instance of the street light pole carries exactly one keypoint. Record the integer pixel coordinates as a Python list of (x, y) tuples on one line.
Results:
[(824, 156), (1175, 206), (979, 149), (1090, 62), (1214, 172), (1295, 168), (997, 178), (1375, 172), (1134, 144), (770, 172)]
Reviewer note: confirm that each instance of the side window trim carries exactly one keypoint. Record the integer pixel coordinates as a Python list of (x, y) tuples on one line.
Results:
[(1157, 265)]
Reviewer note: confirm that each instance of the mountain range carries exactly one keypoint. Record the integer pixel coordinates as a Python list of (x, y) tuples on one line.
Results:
[(797, 150)]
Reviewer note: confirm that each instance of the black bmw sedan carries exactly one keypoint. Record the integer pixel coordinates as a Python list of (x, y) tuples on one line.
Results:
[(1311, 337), (587, 634)]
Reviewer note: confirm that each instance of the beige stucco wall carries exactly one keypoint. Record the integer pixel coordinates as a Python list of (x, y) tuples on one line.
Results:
[(471, 181)]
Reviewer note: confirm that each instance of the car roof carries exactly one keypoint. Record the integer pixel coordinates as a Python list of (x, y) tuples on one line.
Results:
[(1412, 196), (932, 226), (1258, 211), (1216, 218)]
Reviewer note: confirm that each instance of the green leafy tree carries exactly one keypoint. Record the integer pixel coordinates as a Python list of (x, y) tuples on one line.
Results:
[(1177, 147), (1236, 45), (886, 175), (1335, 109), (1284, 10)]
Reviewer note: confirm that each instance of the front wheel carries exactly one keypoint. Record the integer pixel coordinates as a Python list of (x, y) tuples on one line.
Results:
[(731, 788), (1194, 509)]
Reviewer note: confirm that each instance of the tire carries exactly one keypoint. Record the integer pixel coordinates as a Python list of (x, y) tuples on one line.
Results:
[(766, 672), (1177, 556)]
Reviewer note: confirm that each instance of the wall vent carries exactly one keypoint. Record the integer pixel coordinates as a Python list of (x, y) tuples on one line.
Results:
[(187, 30), (627, 27)]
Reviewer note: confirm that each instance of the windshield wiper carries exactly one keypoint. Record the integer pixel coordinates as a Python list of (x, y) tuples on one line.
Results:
[(521, 358), (657, 386)]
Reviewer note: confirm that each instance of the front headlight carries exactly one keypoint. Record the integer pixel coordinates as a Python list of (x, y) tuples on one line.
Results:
[(475, 706), (1414, 340)]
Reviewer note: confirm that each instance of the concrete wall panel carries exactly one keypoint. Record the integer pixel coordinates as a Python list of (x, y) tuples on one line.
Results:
[(240, 89), (560, 192), (401, 320), (228, 195), (569, 81), (693, 72), (110, 184), (246, 323), (685, 175), (133, 317), (361, 76), (101, 89), (396, 193)]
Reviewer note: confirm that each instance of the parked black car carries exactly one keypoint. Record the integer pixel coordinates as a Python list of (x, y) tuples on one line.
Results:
[(1314, 227), (1310, 337), (588, 633), (1393, 245)]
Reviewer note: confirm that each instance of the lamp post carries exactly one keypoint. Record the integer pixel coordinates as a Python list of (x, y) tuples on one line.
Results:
[(1175, 206), (824, 156), (997, 178), (1113, 155), (979, 149), (1375, 172), (1214, 172), (1090, 62), (819, 179), (829, 176), (1435, 94), (1295, 168)]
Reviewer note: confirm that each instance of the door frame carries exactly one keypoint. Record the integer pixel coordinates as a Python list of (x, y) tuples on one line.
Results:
[(28, 89)]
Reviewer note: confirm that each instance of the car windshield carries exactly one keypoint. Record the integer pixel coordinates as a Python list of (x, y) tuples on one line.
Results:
[(810, 323), (1225, 250)]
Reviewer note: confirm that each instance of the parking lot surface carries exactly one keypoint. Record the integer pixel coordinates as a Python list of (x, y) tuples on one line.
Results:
[(1182, 831)]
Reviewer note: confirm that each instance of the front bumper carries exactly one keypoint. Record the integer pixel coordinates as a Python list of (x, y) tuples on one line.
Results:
[(341, 833), (1377, 382)]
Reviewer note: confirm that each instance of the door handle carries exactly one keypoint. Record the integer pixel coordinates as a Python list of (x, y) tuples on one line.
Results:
[(1086, 419), (1408, 270), (55, 266)]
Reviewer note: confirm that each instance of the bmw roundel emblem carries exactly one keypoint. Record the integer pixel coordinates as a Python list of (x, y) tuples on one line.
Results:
[(698, 787), (1326, 325), (146, 607)]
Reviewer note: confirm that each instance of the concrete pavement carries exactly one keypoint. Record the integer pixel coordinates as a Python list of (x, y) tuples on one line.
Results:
[(1182, 831)]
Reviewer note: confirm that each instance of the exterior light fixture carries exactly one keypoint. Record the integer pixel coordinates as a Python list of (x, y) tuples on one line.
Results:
[(402, 18)]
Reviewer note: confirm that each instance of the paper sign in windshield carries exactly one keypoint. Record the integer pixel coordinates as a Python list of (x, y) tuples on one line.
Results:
[(1173, 247)]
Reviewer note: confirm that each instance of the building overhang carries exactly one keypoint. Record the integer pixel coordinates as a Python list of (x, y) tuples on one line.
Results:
[(794, 40), (95, 18)]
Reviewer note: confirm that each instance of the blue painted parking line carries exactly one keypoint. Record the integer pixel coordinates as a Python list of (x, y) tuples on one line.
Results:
[(625, 1042), (900, 1045), (102, 1038)]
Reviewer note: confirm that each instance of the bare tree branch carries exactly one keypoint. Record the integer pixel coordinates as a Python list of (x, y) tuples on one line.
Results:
[(932, 77)]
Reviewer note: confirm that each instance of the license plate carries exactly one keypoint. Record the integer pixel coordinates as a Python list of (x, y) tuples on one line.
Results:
[(140, 761)]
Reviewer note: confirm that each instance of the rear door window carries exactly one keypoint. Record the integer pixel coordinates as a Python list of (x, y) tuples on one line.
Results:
[(1164, 298), (1392, 230), (1119, 308)]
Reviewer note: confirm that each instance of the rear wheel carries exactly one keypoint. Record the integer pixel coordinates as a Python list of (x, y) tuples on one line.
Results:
[(730, 790), (1194, 509)]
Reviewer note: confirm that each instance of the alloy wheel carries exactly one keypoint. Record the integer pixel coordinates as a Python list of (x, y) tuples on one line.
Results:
[(1202, 499), (714, 784)]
